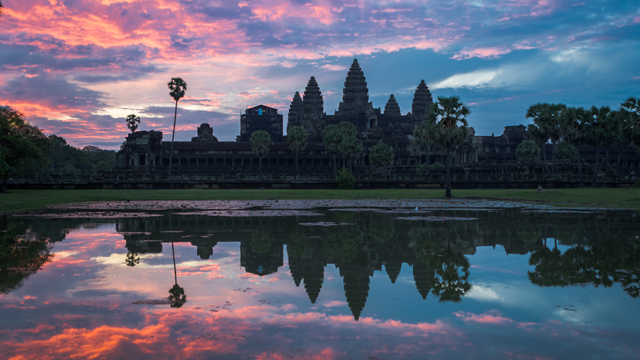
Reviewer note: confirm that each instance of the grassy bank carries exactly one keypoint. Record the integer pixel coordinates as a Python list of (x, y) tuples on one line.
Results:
[(22, 200)]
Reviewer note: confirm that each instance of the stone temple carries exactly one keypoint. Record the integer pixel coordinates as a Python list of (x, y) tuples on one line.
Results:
[(145, 153)]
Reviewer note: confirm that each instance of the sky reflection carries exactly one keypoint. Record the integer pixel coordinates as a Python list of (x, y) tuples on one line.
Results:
[(87, 302)]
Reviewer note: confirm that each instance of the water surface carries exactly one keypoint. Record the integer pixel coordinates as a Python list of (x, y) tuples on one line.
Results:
[(320, 283)]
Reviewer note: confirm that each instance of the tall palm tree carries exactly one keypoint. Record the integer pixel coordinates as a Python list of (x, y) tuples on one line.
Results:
[(451, 127), (177, 297), (596, 134), (178, 87), (547, 117), (573, 123)]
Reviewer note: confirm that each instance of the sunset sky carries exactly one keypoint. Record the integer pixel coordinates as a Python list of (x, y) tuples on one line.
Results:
[(76, 68)]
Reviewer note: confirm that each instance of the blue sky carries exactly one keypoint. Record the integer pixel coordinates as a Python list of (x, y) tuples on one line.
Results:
[(77, 68)]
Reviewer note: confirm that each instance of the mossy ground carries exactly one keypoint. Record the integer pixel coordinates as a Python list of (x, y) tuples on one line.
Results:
[(23, 200)]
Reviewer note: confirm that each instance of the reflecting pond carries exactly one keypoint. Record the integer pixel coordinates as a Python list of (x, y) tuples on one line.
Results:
[(267, 282)]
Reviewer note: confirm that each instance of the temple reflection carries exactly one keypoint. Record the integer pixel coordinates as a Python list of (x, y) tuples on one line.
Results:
[(566, 249)]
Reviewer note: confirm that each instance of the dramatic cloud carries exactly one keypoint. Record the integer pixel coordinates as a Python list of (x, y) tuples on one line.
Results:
[(77, 68)]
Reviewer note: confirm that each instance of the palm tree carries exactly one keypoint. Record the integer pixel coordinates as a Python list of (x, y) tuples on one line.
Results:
[(260, 142), (573, 122), (596, 133), (331, 138), (424, 135), (297, 138), (351, 148), (133, 122), (348, 130), (448, 115), (177, 297), (547, 117), (631, 110), (178, 87)]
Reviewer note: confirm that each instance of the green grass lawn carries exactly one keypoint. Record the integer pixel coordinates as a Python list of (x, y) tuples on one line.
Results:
[(22, 200)]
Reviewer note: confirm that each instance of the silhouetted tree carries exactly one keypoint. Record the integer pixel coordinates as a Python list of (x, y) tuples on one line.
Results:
[(260, 241), (260, 142), (547, 118), (630, 109), (574, 131), (297, 138), (350, 147), (331, 138), (132, 259), (349, 132), (424, 135), (566, 151), (381, 157), (178, 87), (133, 121), (449, 115), (21, 145), (596, 134), (177, 296), (528, 150)]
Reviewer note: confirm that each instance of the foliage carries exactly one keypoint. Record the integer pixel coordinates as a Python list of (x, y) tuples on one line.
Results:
[(527, 150), (351, 147), (347, 128), (103, 166), (297, 245), (260, 142), (546, 118), (631, 118), (566, 151), (424, 135), (62, 154), (342, 244), (70, 170), (132, 259), (260, 241), (24, 145), (451, 276), (422, 169), (346, 180), (449, 118), (177, 88), (297, 137), (133, 122), (22, 254), (177, 297), (381, 156), (436, 166), (331, 138)]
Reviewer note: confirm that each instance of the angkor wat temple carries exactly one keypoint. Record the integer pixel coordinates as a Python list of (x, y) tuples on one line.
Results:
[(479, 158)]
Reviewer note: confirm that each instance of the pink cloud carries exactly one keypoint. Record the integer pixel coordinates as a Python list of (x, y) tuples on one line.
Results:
[(486, 318), (483, 53)]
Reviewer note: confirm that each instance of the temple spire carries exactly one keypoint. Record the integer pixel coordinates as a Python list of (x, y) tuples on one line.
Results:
[(392, 108), (423, 277), (294, 117), (422, 102), (355, 86), (312, 107), (393, 270)]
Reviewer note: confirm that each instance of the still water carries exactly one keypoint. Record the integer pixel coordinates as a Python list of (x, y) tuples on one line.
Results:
[(249, 282)]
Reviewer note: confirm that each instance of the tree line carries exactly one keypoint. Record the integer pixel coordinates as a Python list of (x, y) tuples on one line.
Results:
[(567, 128), (26, 150)]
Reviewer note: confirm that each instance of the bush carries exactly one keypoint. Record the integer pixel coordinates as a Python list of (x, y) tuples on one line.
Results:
[(422, 169), (564, 150), (346, 180), (528, 150), (436, 166)]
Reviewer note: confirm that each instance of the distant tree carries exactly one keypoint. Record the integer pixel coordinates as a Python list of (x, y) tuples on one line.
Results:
[(424, 135), (566, 151), (612, 133), (528, 150), (177, 296), (132, 259), (630, 109), (103, 166), (574, 123), (23, 145), (381, 157), (547, 118), (70, 170), (297, 138), (350, 147), (331, 138), (133, 121), (260, 241), (178, 87), (260, 142), (595, 131), (451, 276), (448, 115), (541, 139), (348, 130)]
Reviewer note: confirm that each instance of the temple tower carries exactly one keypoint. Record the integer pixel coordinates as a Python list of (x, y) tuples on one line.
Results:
[(296, 268), (312, 107), (422, 102), (423, 276), (313, 278), (393, 269), (392, 108), (294, 118), (355, 92), (356, 288)]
